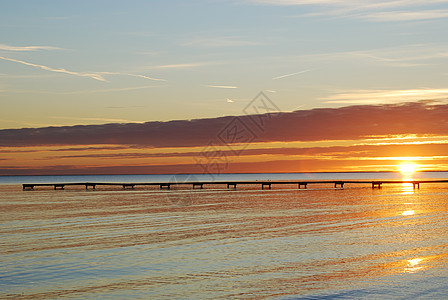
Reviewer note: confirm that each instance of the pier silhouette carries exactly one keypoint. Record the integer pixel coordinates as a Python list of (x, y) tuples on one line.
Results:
[(337, 184)]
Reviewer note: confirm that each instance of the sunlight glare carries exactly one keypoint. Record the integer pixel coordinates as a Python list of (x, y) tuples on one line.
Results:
[(408, 213), (414, 262), (408, 168), (407, 188), (413, 265)]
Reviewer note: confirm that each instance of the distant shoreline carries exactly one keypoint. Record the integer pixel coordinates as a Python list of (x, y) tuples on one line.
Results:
[(224, 173)]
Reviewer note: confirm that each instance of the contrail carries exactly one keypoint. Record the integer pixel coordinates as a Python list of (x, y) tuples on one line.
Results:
[(96, 75), (222, 86), (91, 75), (292, 74)]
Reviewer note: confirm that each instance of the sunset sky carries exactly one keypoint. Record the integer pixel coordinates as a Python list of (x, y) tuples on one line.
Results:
[(114, 87)]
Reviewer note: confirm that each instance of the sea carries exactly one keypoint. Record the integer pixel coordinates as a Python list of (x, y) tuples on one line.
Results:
[(320, 242)]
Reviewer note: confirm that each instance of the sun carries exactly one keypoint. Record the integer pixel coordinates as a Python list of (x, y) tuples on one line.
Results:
[(407, 168)]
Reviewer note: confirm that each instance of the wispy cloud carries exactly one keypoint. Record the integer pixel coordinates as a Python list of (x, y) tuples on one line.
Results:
[(409, 55), (403, 58), (178, 66), (96, 119), (218, 42), (222, 86), (352, 3), (295, 2), (291, 74), (141, 33), (125, 107), (95, 76), (377, 11), (27, 48), (132, 75), (384, 96), (124, 89), (393, 16), (151, 53), (59, 18), (405, 55)]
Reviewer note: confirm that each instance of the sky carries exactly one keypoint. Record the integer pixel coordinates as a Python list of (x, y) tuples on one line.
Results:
[(114, 87)]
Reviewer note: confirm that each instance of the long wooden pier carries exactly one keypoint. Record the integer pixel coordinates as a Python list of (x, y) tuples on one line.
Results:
[(233, 184)]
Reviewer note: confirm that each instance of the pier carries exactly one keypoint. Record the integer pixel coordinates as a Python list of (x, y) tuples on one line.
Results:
[(337, 184)]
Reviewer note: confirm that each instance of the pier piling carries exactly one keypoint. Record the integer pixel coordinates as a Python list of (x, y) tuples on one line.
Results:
[(302, 184), (339, 183), (267, 185), (59, 186), (165, 185), (200, 185), (130, 186), (376, 184)]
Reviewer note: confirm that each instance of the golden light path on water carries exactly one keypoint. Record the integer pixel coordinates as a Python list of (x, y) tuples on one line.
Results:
[(215, 243)]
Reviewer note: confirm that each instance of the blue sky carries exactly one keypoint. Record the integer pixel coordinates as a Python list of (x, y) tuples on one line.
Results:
[(95, 62)]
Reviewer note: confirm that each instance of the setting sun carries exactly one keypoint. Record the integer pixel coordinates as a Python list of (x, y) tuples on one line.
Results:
[(408, 168)]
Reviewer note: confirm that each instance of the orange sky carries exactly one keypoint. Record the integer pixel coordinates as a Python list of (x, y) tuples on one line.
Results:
[(354, 138)]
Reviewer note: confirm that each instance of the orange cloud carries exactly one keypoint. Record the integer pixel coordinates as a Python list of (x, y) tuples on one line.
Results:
[(354, 138)]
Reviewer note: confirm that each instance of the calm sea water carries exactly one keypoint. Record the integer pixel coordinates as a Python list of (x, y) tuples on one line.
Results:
[(215, 243)]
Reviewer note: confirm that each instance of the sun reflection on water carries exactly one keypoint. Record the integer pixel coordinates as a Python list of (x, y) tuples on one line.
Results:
[(413, 265), (408, 213), (407, 188)]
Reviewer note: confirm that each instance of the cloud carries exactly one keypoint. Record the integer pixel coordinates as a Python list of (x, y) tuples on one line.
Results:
[(95, 76), (96, 119), (384, 96), (151, 53), (394, 16), (267, 166), (352, 3), (300, 2), (178, 66), (292, 74), (377, 11), (141, 33), (132, 75), (143, 76), (59, 18), (405, 53), (365, 152), (125, 89), (324, 124), (27, 48), (219, 42)]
